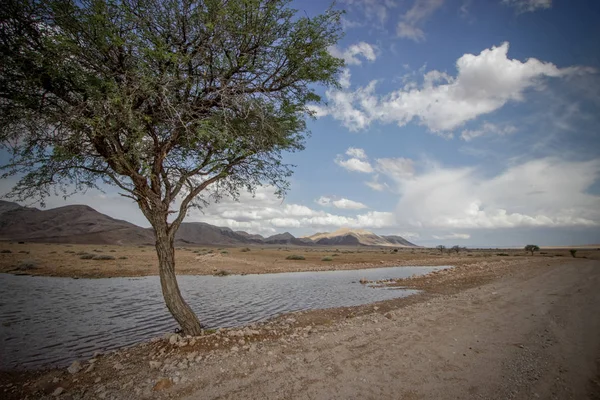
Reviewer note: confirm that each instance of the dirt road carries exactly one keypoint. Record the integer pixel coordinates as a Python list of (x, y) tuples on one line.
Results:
[(533, 335)]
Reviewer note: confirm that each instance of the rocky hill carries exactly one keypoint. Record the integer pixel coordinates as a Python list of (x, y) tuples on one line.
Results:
[(358, 237), (83, 224)]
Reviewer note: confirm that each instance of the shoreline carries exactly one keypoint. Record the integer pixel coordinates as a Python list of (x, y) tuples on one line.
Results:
[(171, 353)]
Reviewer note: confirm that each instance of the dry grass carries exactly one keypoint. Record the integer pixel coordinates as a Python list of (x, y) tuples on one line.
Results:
[(64, 259)]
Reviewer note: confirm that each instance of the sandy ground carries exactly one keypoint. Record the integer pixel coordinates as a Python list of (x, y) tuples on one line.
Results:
[(520, 328), (66, 260)]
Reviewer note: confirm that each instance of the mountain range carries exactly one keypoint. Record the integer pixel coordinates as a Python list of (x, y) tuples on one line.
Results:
[(82, 224)]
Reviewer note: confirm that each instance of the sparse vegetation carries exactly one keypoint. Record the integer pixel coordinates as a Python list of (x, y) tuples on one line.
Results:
[(27, 265), (502, 254), (86, 256), (103, 257), (23, 252), (531, 248), (5, 251), (222, 273), (224, 252), (573, 253), (295, 257), (245, 249), (326, 259), (441, 248), (456, 249), (122, 258)]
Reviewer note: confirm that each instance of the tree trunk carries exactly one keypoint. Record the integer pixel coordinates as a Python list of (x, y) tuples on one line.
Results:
[(181, 311)]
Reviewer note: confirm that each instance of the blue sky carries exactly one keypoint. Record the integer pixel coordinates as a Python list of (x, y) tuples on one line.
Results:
[(456, 122)]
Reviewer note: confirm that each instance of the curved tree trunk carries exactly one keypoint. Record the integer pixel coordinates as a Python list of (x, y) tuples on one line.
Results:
[(181, 311)]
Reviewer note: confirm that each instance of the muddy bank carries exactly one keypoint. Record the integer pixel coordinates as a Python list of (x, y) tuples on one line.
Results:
[(472, 328)]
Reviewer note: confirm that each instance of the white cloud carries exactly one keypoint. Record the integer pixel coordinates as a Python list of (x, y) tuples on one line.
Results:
[(484, 83), (460, 236), (356, 153), (342, 203), (373, 10), (486, 129), (345, 78), (348, 204), (357, 163), (376, 185), (395, 168), (546, 192), (408, 27), (350, 55), (409, 235), (528, 5)]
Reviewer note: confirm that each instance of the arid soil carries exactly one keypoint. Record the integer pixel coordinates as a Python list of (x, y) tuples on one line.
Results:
[(72, 260), (495, 328)]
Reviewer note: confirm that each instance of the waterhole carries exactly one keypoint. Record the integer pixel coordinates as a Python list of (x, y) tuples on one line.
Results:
[(49, 321)]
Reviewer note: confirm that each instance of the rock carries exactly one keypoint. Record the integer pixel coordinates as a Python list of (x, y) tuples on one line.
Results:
[(363, 281), (162, 384), (291, 320), (90, 368), (58, 391), (174, 338), (75, 367), (118, 366), (56, 379), (192, 355), (97, 380), (155, 364), (235, 349)]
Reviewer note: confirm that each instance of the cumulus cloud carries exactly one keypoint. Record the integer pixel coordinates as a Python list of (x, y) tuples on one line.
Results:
[(487, 129), (357, 162), (376, 185), (546, 192), (484, 83), (341, 203), (460, 236), (356, 153), (345, 78), (523, 6), (351, 54), (410, 22), (265, 213), (372, 10), (396, 168)]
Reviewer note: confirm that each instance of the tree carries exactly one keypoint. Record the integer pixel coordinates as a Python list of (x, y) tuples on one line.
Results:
[(532, 248), (573, 253), (174, 102), (456, 249), (441, 248)]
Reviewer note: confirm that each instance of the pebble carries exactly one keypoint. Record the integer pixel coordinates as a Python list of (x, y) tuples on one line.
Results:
[(162, 384), (155, 364), (75, 367), (59, 390)]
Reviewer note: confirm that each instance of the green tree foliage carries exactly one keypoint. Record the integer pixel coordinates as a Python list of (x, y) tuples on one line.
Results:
[(532, 248), (573, 253), (175, 102)]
